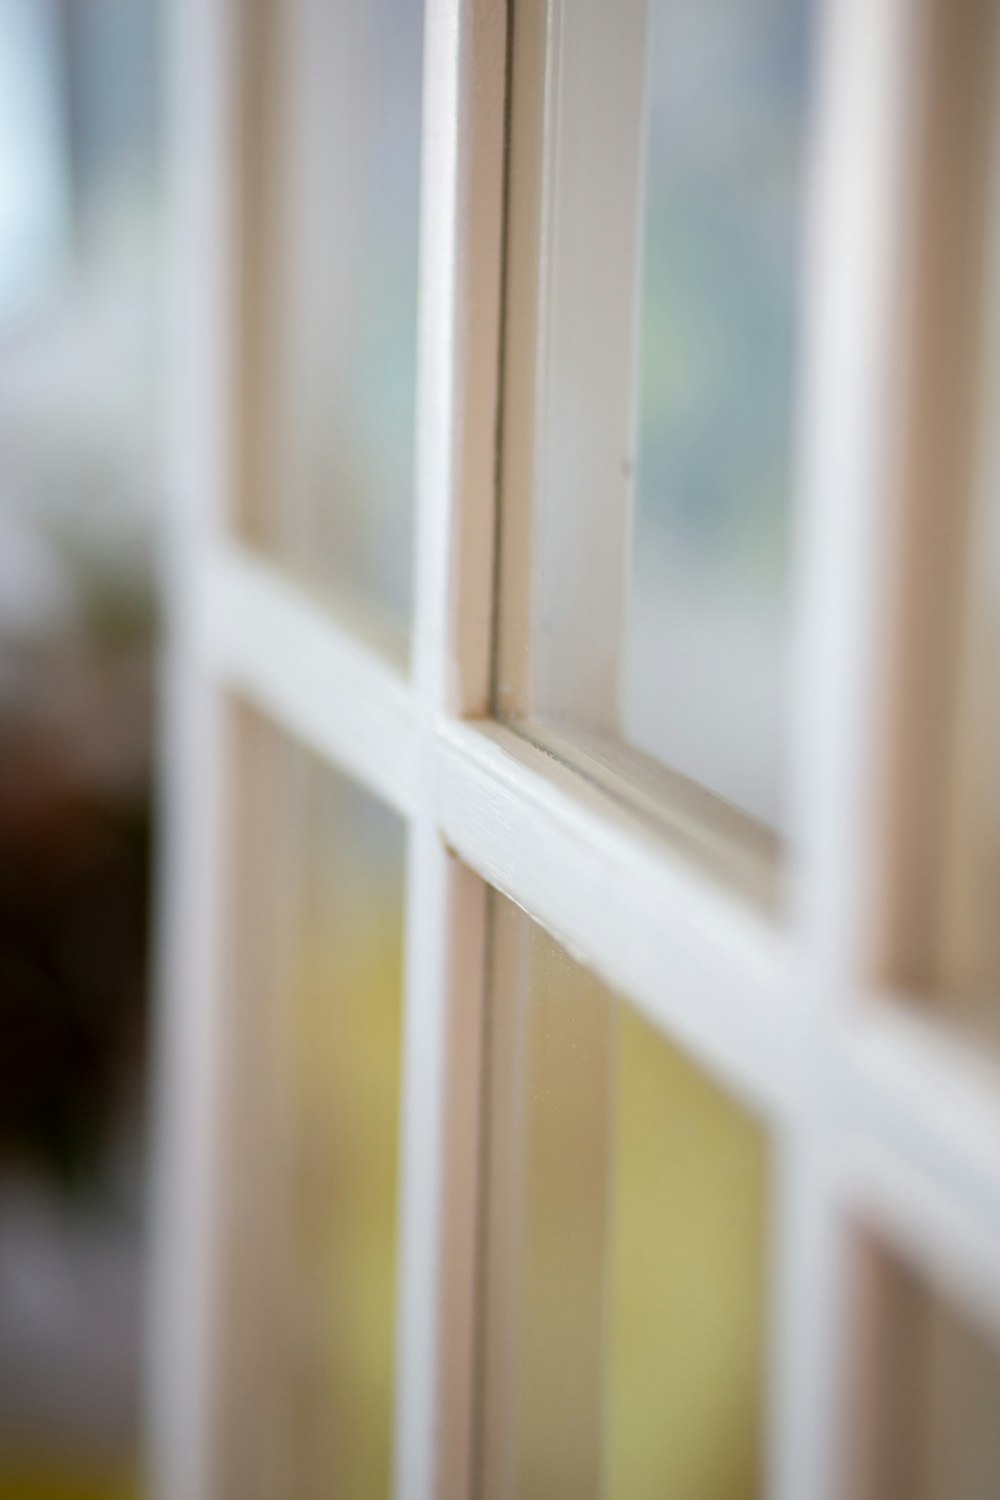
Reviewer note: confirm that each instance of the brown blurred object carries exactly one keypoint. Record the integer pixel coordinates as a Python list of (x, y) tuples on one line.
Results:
[(73, 932)]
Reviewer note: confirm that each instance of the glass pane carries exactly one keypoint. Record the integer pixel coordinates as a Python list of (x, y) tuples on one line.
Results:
[(937, 1396), (706, 629), (968, 971), (315, 1027), (968, 957), (332, 119), (624, 1254), (649, 406)]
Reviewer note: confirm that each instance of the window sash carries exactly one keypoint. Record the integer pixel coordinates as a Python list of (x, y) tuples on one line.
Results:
[(877, 1116)]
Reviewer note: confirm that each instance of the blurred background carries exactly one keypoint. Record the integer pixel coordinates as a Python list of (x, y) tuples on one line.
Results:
[(80, 483)]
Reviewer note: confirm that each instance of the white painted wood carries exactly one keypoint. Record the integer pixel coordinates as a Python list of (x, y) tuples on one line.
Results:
[(909, 1088), (571, 352), (659, 917), (318, 677), (182, 1300), (459, 349), (951, 1249), (857, 222), (702, 964), (503, 1201), (807, 1315), (734, 849), (655, 912), (457, 414), (854, 239), (878, 1118), (880, 104), (445, 979)]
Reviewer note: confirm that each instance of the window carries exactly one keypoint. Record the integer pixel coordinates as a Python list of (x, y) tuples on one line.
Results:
[(657, 1049)]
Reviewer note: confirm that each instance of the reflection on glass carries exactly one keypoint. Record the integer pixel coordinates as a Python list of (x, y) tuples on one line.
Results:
[(705, 634), (621, 1319), (333, 125), (316, 1021), (935, 1434)]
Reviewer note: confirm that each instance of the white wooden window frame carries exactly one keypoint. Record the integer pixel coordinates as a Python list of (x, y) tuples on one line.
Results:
[(877, 1116)]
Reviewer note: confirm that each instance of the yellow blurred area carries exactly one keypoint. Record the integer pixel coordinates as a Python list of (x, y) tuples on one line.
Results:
[(350, 1032), (44, 1480), (687, 1281), (311, 1263), (625, 1264)]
